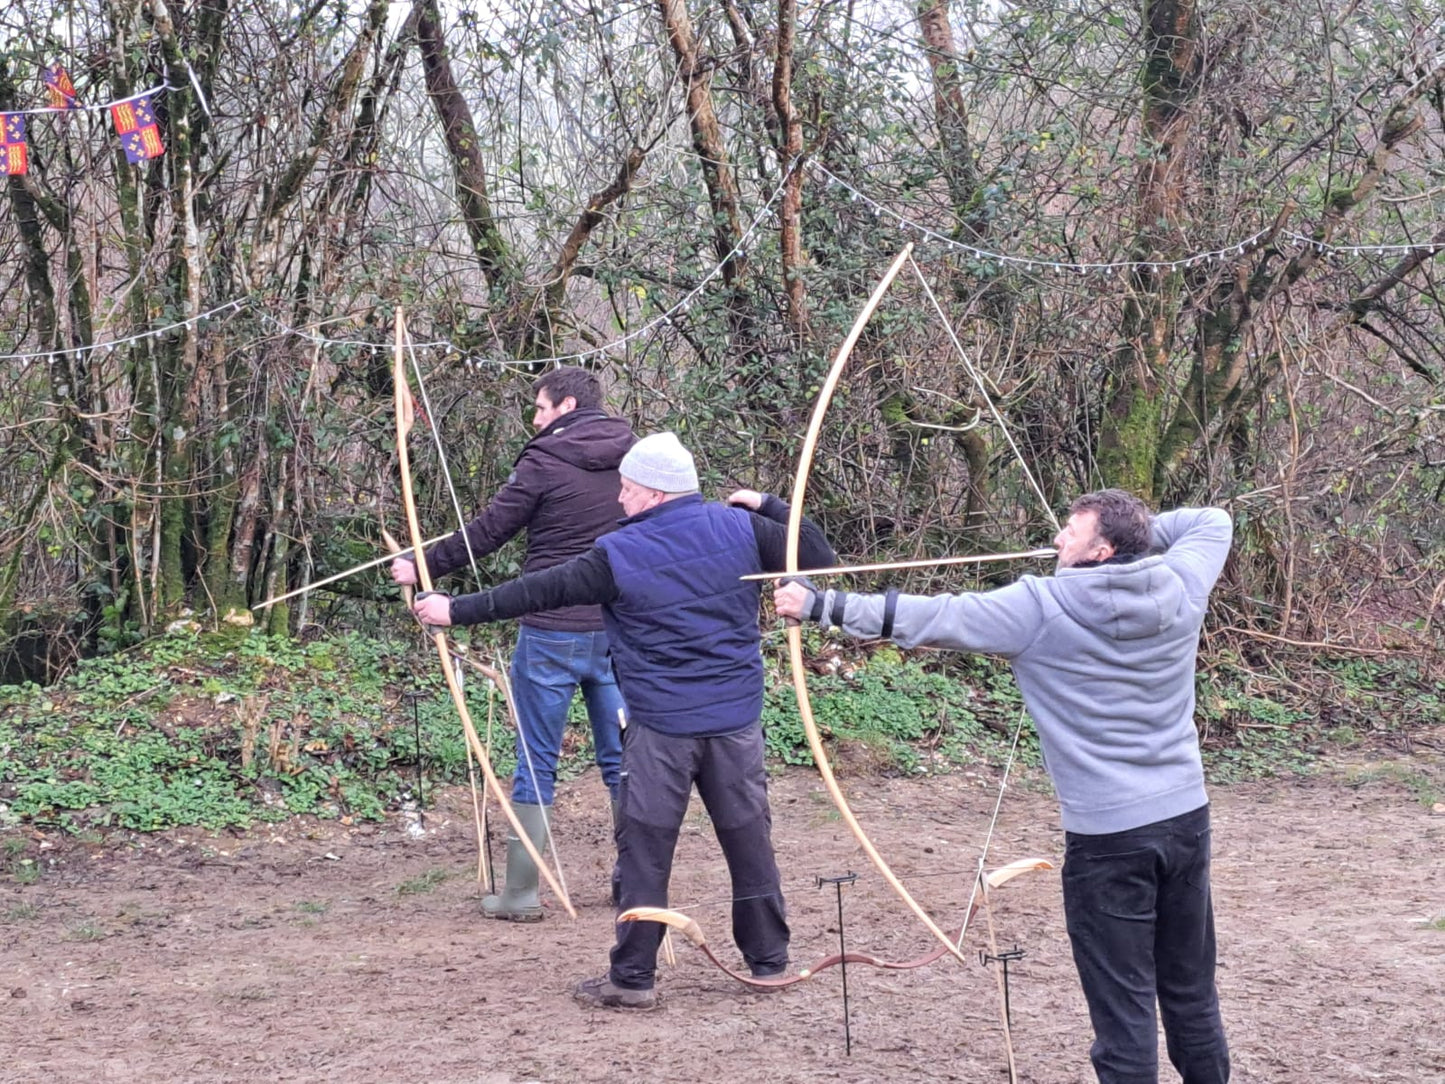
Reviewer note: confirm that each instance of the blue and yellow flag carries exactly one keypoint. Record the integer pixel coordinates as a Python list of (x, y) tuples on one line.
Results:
[(140, 136), (14, 156), (60, 88)]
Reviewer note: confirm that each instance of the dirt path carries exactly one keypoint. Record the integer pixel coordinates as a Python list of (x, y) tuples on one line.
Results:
[(316, 952)]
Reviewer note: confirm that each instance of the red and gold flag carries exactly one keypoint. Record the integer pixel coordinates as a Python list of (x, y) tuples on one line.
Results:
[(14, 155), (60, 88), (140, 134)]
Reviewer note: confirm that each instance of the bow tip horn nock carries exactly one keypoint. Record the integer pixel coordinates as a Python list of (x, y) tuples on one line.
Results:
[(1004, 874)]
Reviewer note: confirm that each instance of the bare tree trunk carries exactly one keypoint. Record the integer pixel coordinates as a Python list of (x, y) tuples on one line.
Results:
[(722, 188), (1129, 437), (246, 532), (338, 104), (465, 150), (587, 222), (752, 371), (955, 145), (790, 153), (226, 590), (180, 405)]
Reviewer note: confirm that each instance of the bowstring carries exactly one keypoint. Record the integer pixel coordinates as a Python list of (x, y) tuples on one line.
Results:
[(992, 824), (435, 431), (983, 390), (981, 385)]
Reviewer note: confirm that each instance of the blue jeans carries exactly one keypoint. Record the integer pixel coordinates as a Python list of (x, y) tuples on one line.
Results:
[(1141, 922), (547, 668)]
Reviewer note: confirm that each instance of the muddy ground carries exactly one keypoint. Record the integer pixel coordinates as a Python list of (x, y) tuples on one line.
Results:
[(316, 951)]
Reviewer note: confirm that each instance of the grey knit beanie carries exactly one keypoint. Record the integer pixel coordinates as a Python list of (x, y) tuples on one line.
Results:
[(660, 462)]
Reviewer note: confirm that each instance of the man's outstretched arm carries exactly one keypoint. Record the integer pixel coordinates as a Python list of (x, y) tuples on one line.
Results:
[(584, 580)]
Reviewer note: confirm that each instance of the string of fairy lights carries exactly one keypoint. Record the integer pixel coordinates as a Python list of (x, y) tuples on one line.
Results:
[(921, 233)]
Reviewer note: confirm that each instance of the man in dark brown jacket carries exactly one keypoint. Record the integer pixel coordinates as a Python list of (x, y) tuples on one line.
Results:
[(563, 492)]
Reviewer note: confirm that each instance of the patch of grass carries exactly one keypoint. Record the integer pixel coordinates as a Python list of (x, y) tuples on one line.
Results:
[(1436, 923), (248, 993), (86, 930), (312, 907), (422, 883), (1425, 790), (21, 912), (1260, 754), (22, 870), (1250, 736)]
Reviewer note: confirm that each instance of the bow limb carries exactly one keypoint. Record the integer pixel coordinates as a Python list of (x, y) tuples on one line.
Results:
[(689, 928), (484, 852), (498, 677), (404, 418), (692, 931), (795, 633)]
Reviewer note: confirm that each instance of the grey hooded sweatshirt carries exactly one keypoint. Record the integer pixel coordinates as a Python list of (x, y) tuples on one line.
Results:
[(1105, 658)]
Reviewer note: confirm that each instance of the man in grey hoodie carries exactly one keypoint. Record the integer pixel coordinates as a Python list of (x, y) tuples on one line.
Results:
[(1104, 654)]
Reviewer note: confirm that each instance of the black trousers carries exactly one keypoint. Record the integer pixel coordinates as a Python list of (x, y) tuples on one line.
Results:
[(658, 773), (1141, 922)]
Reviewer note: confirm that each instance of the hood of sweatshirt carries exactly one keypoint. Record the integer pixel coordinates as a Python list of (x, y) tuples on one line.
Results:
[(1130, 601), (588, 439)]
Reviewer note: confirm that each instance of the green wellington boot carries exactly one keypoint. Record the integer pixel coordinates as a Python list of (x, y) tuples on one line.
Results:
[(519, 901)]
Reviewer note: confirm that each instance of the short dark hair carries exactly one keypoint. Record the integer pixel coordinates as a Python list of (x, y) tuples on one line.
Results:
[(1124, 520), (581, 384)]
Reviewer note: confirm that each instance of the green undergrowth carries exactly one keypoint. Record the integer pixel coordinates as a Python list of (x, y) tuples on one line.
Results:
[(1280, 716), (883, 712), (224, 730), (227, 729)]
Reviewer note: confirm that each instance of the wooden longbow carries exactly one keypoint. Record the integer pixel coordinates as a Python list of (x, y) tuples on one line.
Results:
[(405, 416), (690, 929)]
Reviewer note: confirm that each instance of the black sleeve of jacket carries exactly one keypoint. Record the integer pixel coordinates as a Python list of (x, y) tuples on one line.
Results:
[(585, 579), (770, 528), (510, 511)]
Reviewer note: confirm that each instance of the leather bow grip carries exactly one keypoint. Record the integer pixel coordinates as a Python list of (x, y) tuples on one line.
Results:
[(802, 581)]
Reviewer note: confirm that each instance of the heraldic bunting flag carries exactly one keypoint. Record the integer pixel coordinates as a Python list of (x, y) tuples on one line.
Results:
[(136, 126), (12, 143), (60, 88)]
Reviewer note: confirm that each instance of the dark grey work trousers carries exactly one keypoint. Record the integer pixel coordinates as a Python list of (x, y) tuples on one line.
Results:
[(1139, 914), (658, 773)]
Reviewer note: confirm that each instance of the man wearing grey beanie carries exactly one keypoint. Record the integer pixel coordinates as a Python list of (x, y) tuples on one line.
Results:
[(683, 627)]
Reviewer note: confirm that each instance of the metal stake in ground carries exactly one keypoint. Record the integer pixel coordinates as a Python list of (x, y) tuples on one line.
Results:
[(1003, 959), (838, 882), (415, 696)]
